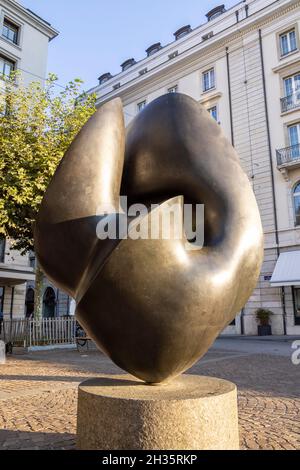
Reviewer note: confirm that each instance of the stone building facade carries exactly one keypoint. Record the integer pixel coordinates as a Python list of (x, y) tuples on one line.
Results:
[(243, 65), (24, 42)]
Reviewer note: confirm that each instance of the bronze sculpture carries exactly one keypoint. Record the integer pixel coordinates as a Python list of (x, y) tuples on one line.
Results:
[(152, 306)]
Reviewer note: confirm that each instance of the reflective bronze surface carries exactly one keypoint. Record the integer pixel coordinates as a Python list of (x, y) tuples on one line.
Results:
[(151, 305)]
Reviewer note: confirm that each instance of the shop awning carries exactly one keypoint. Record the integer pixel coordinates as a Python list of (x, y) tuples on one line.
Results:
[(287, 270)]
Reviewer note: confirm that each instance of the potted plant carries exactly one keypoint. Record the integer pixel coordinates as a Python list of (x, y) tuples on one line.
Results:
[(263, 318)]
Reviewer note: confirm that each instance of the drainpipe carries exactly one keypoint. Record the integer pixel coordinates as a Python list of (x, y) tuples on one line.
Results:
[(272, 174), (229, 95), (12, 302)]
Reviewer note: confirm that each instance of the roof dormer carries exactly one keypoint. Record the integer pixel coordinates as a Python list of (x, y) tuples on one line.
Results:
[(215, 12), (127, 64), (153, 48), (182, 31), (104, 78)]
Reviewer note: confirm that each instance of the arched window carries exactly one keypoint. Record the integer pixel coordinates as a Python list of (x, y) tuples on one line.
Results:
[(296, 194), (29, 302), (49, 302)]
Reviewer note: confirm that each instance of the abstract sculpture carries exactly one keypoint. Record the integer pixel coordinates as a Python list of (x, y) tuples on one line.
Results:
[(151, 305)]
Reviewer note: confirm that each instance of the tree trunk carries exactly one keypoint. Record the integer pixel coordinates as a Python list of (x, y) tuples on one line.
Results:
[(38, 292)]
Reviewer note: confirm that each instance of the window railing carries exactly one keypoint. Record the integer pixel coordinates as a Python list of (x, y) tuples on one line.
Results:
[(288, 155), (290, 102)]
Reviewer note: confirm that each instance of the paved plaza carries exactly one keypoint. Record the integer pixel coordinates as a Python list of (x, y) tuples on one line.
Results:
[(38, 393)]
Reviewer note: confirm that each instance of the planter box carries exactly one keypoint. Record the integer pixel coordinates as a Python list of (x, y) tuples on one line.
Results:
[(264, 330)]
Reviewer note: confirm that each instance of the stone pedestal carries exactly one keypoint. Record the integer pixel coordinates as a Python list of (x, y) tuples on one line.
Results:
[(189, 413)]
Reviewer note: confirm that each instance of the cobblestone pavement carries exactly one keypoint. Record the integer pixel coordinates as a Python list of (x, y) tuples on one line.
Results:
[(38, 396)]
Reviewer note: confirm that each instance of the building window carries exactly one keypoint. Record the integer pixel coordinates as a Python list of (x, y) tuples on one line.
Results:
[(208, 79), (288, 42), (296, 297), (173, 89), (6, 66), (49, 303), (296, 196), (291, 98), (29, 303), (2, 290), (212, 17), (294, 140), (292, 84), (142, 105), (31, 259), (2, 249), (10, 31), (213, 111)]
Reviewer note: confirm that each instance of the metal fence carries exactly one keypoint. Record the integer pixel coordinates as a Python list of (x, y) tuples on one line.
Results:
[(44, 332)]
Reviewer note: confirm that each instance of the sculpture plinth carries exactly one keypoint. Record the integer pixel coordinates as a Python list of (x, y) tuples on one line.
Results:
[(189, 413)]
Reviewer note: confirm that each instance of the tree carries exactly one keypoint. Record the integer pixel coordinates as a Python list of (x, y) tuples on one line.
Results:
[(37, 125)]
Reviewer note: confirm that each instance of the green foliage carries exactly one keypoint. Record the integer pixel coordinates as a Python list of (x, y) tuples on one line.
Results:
[(263, 316), (37, 125)]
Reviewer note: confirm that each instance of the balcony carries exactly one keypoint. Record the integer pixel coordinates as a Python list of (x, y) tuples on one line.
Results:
[(288, 103), (288, 158)]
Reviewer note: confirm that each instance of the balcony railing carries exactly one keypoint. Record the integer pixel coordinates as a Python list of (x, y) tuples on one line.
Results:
[(290, 102), (288, 155)]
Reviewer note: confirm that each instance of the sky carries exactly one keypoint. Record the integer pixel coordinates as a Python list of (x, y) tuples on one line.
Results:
[(96, 36)]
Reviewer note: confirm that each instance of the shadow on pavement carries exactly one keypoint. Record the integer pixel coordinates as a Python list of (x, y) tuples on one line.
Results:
[(24, 440)]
